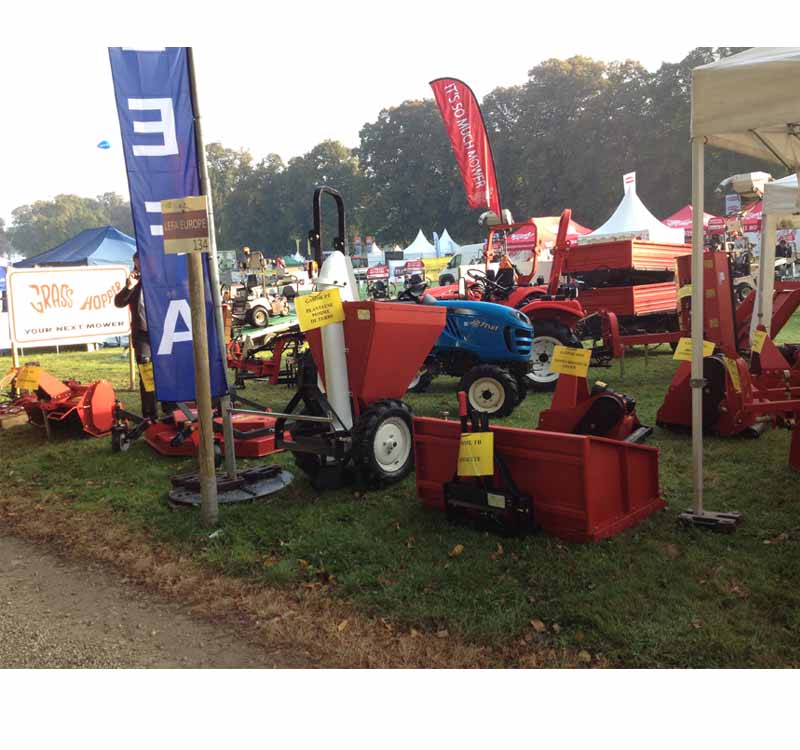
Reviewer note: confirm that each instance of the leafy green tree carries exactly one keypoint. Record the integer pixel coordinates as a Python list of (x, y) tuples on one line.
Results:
[(227, 169), (44, 224), (5, 243)]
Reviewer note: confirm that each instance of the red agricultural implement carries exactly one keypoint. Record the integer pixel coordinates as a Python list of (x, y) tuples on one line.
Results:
[(356, 427), (274, 362), (567, 479), (746, 389), (177, 433), (66, 406)]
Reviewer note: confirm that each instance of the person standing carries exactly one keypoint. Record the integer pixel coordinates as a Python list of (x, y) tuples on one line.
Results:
[(132, 296)]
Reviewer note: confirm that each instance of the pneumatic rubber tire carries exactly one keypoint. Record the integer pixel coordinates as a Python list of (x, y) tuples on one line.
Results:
[(490, 389), (383, 446), (546, 336)]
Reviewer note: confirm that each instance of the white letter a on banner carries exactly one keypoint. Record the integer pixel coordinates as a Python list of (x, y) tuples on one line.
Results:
[(178, 308)]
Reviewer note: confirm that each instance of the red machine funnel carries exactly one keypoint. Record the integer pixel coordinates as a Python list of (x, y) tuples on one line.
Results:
[(386, 345)]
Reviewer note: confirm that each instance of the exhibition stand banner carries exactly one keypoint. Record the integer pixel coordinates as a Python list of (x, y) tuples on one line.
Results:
[(58, 306), (466, 129), (156, 114)]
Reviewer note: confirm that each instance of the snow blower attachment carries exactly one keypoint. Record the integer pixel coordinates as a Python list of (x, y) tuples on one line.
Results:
[(64, 406), (347, 420)]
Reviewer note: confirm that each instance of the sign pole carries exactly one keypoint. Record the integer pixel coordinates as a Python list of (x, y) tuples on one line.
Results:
[(209, 511), (213, 273)]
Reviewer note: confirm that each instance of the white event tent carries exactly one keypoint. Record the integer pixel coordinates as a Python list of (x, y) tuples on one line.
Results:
[(447, 246), (419, 248), (748, 103), (633, 220)]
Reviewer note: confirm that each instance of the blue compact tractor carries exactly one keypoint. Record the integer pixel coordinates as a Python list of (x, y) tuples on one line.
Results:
[(488, 346)]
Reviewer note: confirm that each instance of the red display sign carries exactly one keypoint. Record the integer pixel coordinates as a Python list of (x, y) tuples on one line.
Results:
[(377, 273)]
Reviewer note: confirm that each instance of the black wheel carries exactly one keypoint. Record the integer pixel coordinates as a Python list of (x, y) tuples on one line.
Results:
[(490, 389), (547, 335), (383, 448), (119, 440), (522, 387), (259, 316), (446, 280), (421, 382)]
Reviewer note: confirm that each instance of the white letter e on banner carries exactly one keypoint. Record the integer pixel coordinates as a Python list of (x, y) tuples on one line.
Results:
[(165, 125), (177, 308)]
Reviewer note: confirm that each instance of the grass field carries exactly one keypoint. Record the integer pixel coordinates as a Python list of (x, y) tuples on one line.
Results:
[(657, 595)]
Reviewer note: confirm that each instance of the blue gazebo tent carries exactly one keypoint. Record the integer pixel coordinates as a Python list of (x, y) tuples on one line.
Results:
[(101, 246)]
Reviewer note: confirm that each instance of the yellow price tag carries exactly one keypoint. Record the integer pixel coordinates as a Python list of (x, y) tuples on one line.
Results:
[(319, 309), (733, 373), (685, 291), (28, 378), (148, 379), (569, 361), (476, 454), (759, 337), (683, 352)]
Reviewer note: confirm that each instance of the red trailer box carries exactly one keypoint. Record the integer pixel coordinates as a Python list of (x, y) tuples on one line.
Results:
[(583, 488)]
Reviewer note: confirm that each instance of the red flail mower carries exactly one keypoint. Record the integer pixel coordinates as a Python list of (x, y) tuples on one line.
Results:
[(68, 406)]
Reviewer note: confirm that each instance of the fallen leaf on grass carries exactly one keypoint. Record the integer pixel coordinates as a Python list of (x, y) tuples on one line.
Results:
[(342, 626), (672, 551), (783, 537), (538, 626), (442, 633), (697, 623), (456, 551), (498, 553), (584, 657), (556, 628)]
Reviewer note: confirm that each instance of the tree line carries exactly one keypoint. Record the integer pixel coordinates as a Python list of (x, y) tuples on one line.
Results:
[(563, 138)]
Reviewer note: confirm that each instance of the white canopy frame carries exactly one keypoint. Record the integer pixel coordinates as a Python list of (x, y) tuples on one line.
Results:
[(748, 103)]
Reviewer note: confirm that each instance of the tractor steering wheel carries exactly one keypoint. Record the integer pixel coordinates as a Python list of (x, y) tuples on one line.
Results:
[(413, 293), (484, 283)]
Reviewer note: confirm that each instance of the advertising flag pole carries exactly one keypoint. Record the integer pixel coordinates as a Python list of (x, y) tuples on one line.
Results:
[(213, 271)]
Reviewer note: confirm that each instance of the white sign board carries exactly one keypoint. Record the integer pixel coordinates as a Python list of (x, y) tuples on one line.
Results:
[(733, 204), (66, 305)]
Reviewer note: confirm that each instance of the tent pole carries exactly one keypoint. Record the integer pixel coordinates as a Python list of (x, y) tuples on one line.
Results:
[(698, 515), (213, 273), (698, 179)]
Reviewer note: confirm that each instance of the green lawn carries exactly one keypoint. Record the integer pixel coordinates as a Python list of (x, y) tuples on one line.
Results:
[(657, 595)]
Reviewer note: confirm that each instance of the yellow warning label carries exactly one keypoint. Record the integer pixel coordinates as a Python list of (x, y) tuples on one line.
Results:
[(683, 352), (733, 373), (476, 454), (319, 309), (569, 361), (146, 374), (685, 291), (28, 378), (759, 337)]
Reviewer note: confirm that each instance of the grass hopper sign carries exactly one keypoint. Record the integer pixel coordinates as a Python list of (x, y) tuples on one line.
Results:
[(66, 305)]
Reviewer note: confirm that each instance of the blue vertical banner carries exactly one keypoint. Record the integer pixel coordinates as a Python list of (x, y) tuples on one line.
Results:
[(154, 103)]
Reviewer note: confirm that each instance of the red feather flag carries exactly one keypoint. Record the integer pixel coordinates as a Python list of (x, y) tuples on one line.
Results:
[(464, 123)]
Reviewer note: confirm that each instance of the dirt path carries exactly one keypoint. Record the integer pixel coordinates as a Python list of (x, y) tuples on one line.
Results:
[(58, 613)]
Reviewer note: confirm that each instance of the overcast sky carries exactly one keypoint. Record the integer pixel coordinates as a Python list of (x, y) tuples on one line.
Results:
[(273, 79)]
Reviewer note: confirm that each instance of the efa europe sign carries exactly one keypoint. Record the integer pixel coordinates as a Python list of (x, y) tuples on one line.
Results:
[(54, 306), (156, 116)]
